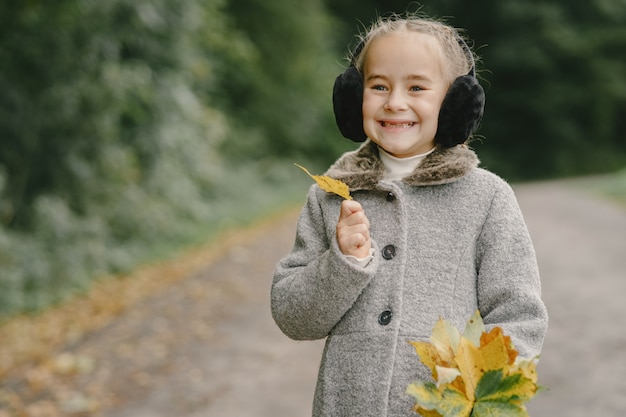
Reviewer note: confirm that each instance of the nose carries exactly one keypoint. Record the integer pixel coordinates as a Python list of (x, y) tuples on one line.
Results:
[(396, 101)]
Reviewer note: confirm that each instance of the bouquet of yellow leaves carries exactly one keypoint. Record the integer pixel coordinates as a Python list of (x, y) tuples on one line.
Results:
[(476, 373)]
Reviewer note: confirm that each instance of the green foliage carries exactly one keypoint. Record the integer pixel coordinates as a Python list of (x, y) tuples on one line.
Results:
[(284, 95), (555, 99), (107, 150)]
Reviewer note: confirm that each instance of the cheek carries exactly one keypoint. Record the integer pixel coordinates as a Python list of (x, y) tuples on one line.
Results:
[(432, 108), (366, 108), (370, 104)]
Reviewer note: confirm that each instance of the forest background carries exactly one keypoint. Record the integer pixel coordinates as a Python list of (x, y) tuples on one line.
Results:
[(132, 129)]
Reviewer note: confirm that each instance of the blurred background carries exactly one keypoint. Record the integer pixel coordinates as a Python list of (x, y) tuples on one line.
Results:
[(130, 129)]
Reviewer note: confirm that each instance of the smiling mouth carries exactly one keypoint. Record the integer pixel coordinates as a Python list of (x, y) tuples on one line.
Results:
[(398, 125)]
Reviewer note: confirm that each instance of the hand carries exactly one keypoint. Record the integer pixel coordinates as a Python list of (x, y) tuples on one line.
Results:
[(353, 230)]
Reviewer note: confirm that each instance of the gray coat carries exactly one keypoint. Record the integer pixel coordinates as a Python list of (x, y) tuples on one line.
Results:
[(448, 239)]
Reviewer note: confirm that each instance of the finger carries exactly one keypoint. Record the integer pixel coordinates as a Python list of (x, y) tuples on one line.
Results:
[(356, 244), (349, 207), (352, 213), (358, 218), (344, 231), (356, 241)]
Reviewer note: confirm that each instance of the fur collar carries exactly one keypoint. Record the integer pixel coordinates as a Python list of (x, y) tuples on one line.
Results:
[(362, 169)]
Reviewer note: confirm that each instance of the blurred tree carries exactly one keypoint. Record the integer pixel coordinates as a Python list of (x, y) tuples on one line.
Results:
[(108, 139), (555, 98), (284, 96), (83, 86)]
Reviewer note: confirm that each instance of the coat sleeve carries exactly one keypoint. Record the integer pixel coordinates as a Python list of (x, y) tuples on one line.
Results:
[(509, 288), (315, 284)]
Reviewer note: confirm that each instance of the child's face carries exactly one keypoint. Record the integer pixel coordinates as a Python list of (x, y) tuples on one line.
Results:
[(404, 87)]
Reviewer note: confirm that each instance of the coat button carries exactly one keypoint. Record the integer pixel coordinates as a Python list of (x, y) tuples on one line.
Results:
[(389, 252), (390, 196), (385, 317)]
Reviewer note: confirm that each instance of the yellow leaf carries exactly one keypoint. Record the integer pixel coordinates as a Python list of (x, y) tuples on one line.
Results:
[(445, 338), (514, 388), (474, 328), (329, 184), (455, 404), (499, 409), (495, 352), (500, 346), (458, 384), (528, 369), (428, 355), (426, 394), (446, 375), (426, 413), (471, 365)]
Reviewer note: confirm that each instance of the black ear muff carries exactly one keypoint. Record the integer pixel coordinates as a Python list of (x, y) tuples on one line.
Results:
[(348, 100), (462, 107), (348, 104), (461, 111), (459, 116)]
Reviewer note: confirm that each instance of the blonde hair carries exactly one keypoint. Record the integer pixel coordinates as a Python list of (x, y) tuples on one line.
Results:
[(457, 59)]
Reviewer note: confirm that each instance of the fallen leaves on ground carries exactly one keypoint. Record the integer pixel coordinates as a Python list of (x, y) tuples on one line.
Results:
[(55, 363)]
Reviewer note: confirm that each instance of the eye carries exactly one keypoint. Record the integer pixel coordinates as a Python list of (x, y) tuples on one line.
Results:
[(415, 88), (379, 87)]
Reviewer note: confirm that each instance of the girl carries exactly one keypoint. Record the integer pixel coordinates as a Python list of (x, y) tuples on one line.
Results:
[(428, 234)]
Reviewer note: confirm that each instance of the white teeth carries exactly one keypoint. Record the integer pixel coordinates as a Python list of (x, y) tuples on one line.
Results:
[(398, 125)]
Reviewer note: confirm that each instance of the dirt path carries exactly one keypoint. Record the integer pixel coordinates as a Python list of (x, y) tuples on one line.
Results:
[(207, 347), (581, 248), (239, 364)]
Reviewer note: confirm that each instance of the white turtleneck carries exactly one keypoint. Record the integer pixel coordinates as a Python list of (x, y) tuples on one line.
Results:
[(398, 168), (395, 169)]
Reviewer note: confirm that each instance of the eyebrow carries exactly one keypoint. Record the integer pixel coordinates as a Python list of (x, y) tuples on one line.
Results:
[(412, 77)]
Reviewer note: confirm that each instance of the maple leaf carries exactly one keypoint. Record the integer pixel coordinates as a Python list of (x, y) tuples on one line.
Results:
[(447, 375), (528, 369), (432, 401), (474, 328), (471, 365), (476, 373), (329, 184), (495, 386), (497, 350), (498, 409), (445, 338), (429, 356)]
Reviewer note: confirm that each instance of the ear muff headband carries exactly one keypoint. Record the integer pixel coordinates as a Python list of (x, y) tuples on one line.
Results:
[(460, 114)]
